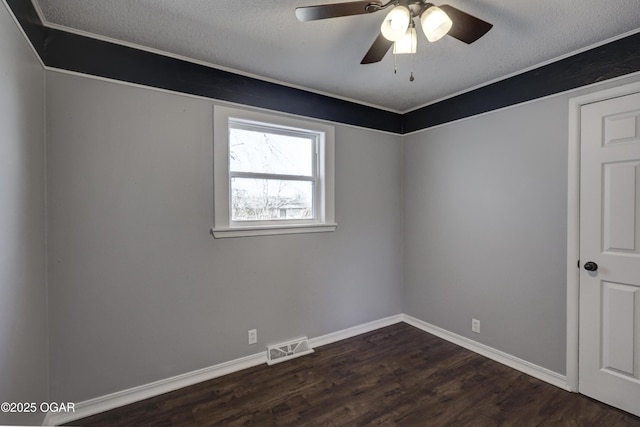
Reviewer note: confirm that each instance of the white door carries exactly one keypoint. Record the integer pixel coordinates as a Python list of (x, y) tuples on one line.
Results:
[(609, 349)]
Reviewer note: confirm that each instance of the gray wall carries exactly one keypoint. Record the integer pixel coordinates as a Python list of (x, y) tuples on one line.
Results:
[(139, 289), (23, 333), (485, 228)]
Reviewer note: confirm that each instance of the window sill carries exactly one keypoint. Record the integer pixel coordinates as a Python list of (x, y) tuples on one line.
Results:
[(271, 230)]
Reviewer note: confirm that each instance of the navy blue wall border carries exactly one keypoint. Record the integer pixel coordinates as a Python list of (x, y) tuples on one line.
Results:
[(605, 62), (72, 52), (90, 56)]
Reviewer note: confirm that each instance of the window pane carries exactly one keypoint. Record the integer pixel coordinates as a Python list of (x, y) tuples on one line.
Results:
[(270, 199), (264, 152)]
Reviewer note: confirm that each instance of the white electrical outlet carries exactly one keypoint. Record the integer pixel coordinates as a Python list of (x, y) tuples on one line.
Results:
[(475, 326), (253, 336)]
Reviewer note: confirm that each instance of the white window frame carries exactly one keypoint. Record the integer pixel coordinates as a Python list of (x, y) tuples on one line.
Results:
[(324, 199)]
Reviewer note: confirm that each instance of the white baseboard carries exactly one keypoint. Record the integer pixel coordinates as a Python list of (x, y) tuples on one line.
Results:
[(355, 330), (136, 394), (516, 363)]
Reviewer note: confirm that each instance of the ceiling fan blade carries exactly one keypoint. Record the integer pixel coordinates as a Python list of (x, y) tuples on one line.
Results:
[(312, 13), (377, 51), (466, 28)]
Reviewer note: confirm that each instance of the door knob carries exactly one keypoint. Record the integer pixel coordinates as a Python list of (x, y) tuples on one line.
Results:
[(590, 266)]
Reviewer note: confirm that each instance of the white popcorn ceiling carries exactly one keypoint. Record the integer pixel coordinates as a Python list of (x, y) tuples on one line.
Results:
[(264, 39)]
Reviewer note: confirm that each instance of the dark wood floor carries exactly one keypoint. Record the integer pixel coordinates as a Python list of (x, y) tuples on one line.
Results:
[(395, 376)]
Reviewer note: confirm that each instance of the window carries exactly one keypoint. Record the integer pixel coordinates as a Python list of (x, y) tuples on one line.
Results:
[(272, 174)]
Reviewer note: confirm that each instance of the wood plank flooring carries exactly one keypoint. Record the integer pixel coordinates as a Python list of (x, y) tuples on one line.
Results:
[(394, 376)]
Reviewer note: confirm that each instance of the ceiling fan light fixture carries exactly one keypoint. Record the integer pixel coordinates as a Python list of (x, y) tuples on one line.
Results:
[(396, 23), (435, 23), (407, 43)]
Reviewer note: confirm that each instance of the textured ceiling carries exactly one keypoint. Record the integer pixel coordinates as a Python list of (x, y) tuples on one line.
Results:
[(264, 39)]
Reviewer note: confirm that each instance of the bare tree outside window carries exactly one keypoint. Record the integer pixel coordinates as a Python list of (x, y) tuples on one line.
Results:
[(272, 173)]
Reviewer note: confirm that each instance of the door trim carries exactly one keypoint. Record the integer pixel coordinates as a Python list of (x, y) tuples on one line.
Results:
[(573, 223)]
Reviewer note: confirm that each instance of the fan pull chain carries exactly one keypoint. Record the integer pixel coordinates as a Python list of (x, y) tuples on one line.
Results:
[(411, 78), (395, 64)]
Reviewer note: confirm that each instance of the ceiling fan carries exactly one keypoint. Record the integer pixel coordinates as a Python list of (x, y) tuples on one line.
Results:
[(398, 27)]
